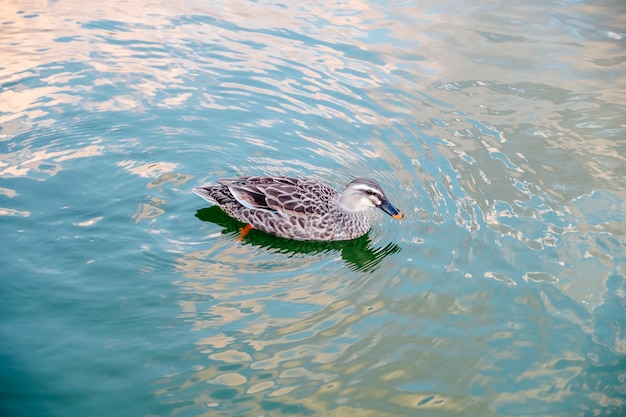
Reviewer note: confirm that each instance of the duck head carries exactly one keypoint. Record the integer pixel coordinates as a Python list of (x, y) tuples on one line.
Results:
[(365, 193)]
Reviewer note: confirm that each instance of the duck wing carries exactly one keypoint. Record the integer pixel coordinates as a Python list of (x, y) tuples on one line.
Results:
[(292, 196)]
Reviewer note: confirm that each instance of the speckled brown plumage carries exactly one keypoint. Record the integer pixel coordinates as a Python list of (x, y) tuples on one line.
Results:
[(300, 209)]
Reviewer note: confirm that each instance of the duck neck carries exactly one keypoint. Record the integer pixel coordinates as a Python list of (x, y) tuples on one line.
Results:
[(351, 202)]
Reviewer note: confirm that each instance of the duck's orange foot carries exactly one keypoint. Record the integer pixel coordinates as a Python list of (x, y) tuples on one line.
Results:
[(244, 231)]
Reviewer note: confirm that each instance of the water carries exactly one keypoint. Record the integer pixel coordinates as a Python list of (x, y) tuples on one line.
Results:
[(497, 127)]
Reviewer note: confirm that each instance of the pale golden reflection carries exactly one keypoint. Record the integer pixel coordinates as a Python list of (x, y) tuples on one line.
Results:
[(4, 211), (89, 222), (538, 276), (218, 341), (147, 211), (8, 192), (147, 170), (230, 379), (138, 49), (231, 356), (261, 386), (285, 345), (25, 162)]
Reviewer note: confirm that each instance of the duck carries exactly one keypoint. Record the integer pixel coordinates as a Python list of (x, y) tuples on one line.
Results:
[(300, 208)]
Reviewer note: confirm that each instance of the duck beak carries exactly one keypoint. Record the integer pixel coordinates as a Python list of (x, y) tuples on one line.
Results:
[(388, 208)]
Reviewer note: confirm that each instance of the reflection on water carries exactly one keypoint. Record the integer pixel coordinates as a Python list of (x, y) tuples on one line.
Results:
[(357, 253), (498, 128)]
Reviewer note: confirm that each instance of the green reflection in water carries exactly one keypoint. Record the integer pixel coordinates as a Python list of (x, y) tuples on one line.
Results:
[(358, 254)]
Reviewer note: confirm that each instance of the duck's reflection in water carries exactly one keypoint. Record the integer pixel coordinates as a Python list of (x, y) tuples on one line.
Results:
[(358, 254)]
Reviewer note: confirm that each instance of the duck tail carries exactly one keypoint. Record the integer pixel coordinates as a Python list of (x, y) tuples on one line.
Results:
[(206, 193)]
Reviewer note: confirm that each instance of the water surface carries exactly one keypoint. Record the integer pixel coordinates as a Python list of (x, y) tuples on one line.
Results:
[(498, 128)]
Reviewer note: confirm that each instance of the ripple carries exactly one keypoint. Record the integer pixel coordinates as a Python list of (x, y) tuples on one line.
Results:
[(498, 293)]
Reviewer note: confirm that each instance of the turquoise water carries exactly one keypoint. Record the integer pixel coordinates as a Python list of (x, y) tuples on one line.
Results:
[(498, 128)]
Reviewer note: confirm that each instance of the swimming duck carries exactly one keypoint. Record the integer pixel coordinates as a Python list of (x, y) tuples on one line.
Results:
[(300, 209)]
